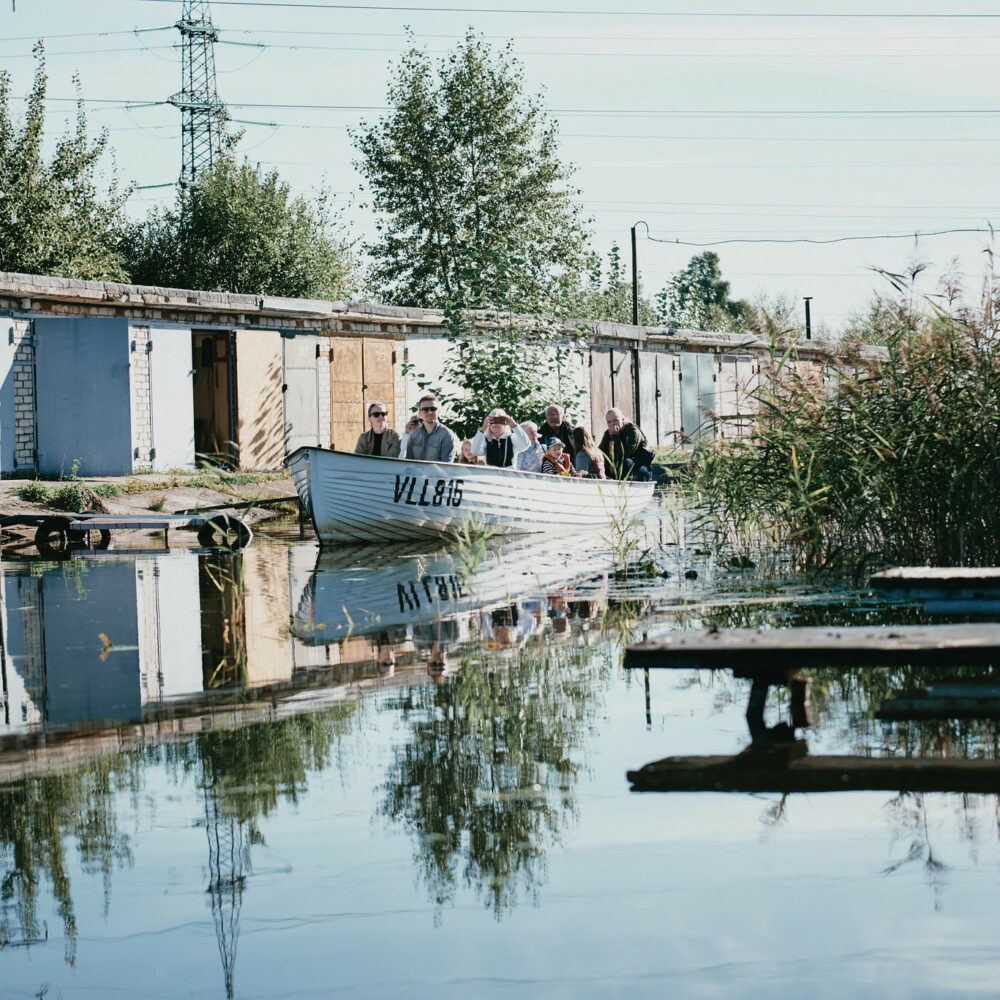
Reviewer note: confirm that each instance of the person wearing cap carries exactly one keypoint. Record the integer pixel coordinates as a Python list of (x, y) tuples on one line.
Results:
[(499, 440), (379, 439), (556, 461), (431, 441)]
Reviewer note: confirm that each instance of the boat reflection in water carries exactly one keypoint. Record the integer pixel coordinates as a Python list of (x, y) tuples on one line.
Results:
[(411, 601), (116, 639), (238, 675)]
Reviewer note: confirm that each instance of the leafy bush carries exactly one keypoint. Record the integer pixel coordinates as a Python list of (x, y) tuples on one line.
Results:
[(36, 492)]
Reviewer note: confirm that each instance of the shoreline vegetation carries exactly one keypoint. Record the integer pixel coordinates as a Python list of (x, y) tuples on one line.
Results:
[(895, 462)]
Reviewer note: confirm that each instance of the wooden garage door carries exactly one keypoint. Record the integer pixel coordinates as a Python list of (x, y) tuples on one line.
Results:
[(361, 372), (347, 398), (600, 388), (259, 430), (380, 382)]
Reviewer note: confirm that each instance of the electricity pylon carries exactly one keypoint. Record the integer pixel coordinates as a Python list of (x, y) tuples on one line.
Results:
[(202, 113)]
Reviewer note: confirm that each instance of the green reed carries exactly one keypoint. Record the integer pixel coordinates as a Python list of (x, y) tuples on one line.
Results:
[(865, 463)]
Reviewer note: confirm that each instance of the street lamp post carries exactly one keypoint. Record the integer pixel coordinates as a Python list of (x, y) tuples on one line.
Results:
[(807, 299), (635, 274)]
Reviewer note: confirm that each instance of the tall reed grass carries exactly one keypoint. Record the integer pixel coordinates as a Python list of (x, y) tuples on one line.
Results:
[(893, 461)]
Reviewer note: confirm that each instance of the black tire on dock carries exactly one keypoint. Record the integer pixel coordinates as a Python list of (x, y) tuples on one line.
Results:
[(224, 532), (53, 537)]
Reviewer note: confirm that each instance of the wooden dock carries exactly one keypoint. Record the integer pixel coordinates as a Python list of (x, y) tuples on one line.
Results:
[(789, 769), (969, 700), (941, 578), (943, 590), (752, 652)]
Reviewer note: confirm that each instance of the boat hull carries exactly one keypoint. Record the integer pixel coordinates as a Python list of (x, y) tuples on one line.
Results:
[(364, 498)]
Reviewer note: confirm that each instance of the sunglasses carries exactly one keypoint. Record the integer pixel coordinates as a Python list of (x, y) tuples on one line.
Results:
[(428, 409), (377, 413)]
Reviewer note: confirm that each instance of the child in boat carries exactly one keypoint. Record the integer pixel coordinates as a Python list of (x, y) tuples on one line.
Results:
[(589, 461), (556, 462), (467, 458)]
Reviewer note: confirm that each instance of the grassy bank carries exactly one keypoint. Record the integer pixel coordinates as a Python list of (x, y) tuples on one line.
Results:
[(896, 463), (78, 495)]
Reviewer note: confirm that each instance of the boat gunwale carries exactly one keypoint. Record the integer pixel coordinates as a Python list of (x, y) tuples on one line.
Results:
[(480, 470)]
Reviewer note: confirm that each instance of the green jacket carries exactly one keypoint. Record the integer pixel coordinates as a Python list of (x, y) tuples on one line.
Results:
[(390, 443)]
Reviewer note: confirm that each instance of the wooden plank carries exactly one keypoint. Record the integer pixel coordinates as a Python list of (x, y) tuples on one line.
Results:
[(965, 700), (780, 769), (259, 429), (379, 377), (751, 650), (666, 382), (648, 415), (622, 387), (347, 394), (935, 578), (600, 389)]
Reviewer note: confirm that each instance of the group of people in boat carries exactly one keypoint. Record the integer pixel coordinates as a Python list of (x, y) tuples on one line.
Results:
[(555, 447)]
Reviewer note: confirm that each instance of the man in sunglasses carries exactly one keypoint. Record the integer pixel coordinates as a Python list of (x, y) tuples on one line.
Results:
[(431, 441), (379, 439)]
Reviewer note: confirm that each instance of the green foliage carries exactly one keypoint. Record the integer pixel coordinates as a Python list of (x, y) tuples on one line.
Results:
[(698, 297), (466, 163), (897, 462), (235, 231), (36, 492), (608, 295), (497, 359), (53, 218)]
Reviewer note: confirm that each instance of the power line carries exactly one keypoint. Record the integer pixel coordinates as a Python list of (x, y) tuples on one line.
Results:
[(743, 39), (819, 114), (662, 54), (84, 52), (87, 34), (796, 15), (838, 239)]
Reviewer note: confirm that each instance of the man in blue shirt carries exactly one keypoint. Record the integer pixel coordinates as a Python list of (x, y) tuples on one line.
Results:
[(431, 441)]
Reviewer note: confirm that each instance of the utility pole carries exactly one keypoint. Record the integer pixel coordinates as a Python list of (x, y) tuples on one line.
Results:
[(807, 300), (635, 274), (202, 113)]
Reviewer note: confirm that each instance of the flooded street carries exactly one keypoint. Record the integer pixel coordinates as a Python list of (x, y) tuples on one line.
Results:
[(394, 772)]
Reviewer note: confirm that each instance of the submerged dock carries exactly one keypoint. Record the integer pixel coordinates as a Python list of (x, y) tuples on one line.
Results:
[(784, 770)]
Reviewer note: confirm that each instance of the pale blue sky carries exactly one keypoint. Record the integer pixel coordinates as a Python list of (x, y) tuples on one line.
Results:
[(734, 122)]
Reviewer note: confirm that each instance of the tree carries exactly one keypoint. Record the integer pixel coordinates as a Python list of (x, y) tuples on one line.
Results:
[(467, 163), (610, 299), (698, 297), (538, 360), (53, 218), (235, 231)]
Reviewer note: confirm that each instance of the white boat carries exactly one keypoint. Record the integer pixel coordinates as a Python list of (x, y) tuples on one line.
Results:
[(367, 498)]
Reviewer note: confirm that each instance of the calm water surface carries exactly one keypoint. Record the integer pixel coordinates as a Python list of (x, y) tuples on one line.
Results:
[(402, 774)]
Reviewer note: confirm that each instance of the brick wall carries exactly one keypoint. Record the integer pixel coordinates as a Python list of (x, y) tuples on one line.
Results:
[(142, 427), (24, 395)]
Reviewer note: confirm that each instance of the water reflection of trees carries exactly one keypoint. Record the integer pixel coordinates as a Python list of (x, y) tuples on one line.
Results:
[(486, 780), (243, 773), (39, 818)]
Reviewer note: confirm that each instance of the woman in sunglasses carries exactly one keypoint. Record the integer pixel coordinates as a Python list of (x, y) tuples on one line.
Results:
[(379, 439)]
